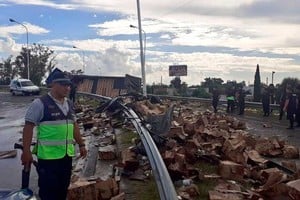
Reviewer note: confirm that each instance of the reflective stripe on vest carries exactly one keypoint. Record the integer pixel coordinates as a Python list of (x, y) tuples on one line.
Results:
[(57, 122), (55, 142), (230, 98)]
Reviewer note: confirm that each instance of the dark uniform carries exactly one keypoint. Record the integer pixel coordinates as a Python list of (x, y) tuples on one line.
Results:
[(215, 99), (265, 99), (230, 100), (291, 108), (298, 107), (241, 101), (72, 94), (281, 105)]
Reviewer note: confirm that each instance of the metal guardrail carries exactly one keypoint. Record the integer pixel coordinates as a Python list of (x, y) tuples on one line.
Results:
[(206, 100), (163, 181), (162, 178)]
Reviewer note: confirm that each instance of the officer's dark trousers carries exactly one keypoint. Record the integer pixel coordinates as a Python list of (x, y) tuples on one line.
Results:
[(54, 178), (215, 104), (230, 106), (266, 108), (290, 116), (242, 107)]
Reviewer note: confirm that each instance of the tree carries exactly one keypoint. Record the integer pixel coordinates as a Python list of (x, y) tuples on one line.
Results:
[(257, 84), (211, 83), (200, 93), (183, 89), (176, 82), (293, 82), (7, 72), (40, 62)]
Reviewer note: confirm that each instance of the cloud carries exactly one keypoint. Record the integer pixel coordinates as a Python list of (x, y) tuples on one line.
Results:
[(45, 3), (223, 38), (112, 62), (20, 30), (9, 46), (231, 33)]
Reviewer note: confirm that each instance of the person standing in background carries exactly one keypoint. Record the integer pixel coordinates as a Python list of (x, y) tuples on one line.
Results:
[(215, 98), (265, 99), (281, 103), (290, 106), (230, 100), (271, 90), (73, 90), (241, 100), (298, 107)]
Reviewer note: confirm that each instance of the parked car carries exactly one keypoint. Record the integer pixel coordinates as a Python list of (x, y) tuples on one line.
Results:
[(23, 87)]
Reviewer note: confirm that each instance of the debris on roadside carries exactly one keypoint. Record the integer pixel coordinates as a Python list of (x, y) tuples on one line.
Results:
[(186, 136), (223, 140), (267, 125), (94, 190), (8, 154), (97, 133)]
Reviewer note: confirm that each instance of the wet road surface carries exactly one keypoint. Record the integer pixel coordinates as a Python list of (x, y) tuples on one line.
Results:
[(12, 112)]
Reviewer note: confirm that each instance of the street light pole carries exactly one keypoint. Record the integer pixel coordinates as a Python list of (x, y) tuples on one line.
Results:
[(145, 36), (141, 49), (28, 70), (83, 66), (272, 76)]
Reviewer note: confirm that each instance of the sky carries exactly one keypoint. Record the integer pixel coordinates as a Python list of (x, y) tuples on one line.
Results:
[(219, 39)]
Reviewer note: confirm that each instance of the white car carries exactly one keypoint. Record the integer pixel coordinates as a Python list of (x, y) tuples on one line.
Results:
[(23, 87)]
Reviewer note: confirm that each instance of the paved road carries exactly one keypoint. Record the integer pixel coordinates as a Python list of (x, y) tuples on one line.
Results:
[(12, 111), (278, 128)]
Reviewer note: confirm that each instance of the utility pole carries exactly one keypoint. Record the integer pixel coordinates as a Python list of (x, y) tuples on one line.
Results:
[(273, 76), (83, 61), (14, 21), (141, 49)]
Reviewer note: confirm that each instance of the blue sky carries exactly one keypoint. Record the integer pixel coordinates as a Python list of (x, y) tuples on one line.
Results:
[(223, 39)]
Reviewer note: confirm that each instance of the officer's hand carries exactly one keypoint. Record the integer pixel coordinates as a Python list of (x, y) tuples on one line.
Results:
[(83, 151), (26, 158)]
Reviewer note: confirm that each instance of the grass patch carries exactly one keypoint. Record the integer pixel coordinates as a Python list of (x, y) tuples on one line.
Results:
[(207, 184), (204, 187), (146, 190), (206, 168), (127, 136)]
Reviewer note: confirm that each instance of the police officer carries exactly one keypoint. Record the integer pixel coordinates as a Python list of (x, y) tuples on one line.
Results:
[(290, 106), (57, 132), (265, 99), (230, 100), (241, 100), (215, 99)]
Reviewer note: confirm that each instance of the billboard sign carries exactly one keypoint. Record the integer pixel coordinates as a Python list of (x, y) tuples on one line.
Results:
[(178, 70)]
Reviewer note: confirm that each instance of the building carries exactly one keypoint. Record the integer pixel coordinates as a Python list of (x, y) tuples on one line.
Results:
[(106, 85)]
